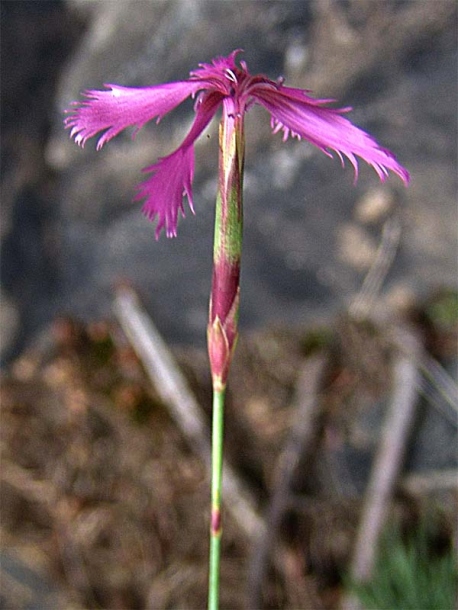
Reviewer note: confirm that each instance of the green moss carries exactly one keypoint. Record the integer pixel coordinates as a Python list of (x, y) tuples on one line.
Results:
[(316, 340), (144, 408), (442, 311)]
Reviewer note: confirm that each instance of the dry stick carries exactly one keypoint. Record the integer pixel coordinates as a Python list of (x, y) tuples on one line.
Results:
[(300, 588), (170, 383), (431, 481), (364, 301), (301, 437), (436, 376), (47, 494), (388, 462), (435, 384)]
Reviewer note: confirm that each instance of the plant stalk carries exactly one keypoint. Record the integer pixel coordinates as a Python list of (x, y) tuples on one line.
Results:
[(216, 486), (224, 310)]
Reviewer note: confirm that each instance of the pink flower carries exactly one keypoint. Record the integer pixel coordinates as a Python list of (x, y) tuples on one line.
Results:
[(221, 83)]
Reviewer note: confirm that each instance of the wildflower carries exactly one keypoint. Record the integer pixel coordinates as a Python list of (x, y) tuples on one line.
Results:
[(226, 84), (229, 85)]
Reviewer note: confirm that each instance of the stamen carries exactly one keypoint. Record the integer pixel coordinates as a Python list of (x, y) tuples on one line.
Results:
[(230, 75)]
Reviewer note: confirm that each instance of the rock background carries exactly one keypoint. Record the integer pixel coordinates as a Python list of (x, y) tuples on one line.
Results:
[(69, 229), (77, 405)]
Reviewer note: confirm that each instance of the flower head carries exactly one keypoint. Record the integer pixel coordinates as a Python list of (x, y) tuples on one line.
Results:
[(229, 85)]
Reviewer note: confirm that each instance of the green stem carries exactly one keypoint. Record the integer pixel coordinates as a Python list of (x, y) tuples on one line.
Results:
[(216, 489), (224, 309)]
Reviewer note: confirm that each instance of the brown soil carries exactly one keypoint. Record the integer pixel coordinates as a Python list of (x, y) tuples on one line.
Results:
[(102, 494)]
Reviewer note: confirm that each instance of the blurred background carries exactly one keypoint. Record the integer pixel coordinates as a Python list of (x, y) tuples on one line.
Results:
[(70, 230), (75, 394)]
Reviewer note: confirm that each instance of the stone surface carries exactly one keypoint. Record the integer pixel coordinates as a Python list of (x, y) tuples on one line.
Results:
[(71, 231)]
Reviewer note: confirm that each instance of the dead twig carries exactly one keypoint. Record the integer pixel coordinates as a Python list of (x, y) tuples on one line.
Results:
[(170, 383), (444, 385), (303, 432), (388, 461), (432, 481), (365, 300), (47, 494)]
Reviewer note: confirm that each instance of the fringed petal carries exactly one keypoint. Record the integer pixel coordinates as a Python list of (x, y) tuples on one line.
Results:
[(120, 107), (297, 114), (171, 179), (292, 112), (172, 176)]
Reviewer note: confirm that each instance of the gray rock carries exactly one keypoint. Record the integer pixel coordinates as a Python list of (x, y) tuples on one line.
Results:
[(400, 75)]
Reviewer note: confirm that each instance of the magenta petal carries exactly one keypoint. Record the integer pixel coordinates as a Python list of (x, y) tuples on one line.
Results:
[(297, 114), (228, 83), (171, 179), (172, 175), (205, 109), (119, 107)]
